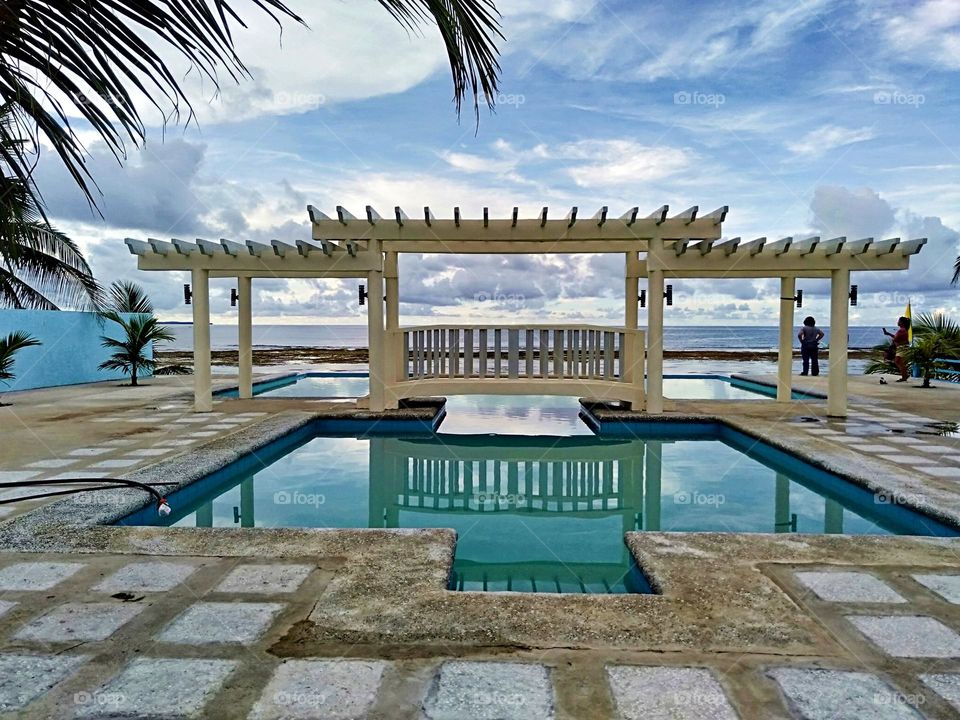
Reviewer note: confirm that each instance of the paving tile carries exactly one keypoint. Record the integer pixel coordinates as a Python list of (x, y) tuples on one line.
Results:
[(946, 586), (17, 475), (221, 426), (815, 694), (946, 685), (157, 688), (28, 576), (930, 448), (264, 579), (115, 463), (668, 693), (909, 635), (53, 463), (221, 622), (24, 678), (941, 471), (90, 452), (120, 441), (27, 490), (904, 459), (79, 621), (147, 452), (191, 420), (6, 606), (204, 434), (490, 691), (146, 577), (330, 689), (849, 587), (901, 440), (874, 448), (183, 442)]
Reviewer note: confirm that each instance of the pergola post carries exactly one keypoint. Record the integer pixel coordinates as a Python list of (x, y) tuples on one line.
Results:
[(633, 362), (376, 339), (392, 347), (202, 381), (839, 306), (245, 336), (655, 334), (788, 288)]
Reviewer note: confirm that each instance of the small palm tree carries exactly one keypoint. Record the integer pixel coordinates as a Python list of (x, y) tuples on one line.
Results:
[(935, 338), (139, 332), (9, 346), (128, 297)]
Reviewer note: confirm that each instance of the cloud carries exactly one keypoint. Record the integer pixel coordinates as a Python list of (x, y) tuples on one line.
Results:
[(820, 141), (929, 30), (605, 163), (860, 213)]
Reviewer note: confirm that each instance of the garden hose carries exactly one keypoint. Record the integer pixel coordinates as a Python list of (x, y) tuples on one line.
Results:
[(163, 507)]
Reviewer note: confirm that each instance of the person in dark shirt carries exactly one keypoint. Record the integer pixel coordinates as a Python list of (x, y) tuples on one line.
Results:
[(899, 339), (810, 336)]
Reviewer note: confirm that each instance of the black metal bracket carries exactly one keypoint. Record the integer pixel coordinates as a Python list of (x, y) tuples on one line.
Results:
[(234, 297), (363, 295), (854, 295), (798, 298), (187, 294)]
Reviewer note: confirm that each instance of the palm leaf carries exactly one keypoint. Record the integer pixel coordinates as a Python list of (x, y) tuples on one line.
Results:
[(61, 59), (9, 346), (128, 297)]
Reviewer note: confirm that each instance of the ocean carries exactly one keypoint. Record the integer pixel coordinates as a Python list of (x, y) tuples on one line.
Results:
[(687, 337)]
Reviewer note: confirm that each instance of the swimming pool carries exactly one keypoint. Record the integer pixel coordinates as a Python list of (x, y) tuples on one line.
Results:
[(542, 511), (351, 385)]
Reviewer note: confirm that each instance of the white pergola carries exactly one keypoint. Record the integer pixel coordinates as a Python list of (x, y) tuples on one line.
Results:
[(602, 362)]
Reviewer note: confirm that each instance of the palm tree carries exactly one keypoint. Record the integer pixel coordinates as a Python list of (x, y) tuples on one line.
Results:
[(62, 59), (129, 356), (9, 346), (40, 267), (128, 297)]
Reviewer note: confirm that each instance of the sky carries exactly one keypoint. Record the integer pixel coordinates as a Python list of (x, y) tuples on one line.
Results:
[(805, 117)]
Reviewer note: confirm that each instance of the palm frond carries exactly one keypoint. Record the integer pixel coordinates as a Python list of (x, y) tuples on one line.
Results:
[(956, 272), (61, 59), (9, 346), (129, 297)]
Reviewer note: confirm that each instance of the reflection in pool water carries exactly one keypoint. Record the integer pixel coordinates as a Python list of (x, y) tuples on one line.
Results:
[(542, 511)]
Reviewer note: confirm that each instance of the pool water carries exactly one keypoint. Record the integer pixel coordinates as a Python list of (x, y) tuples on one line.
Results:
[(544, 510), (351, 385)]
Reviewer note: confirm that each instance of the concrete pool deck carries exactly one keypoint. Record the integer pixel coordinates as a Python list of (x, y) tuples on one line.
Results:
[(358, 623)]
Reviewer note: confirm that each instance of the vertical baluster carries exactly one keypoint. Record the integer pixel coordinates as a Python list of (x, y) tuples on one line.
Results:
[(442, 369), (497, 352), (416, 354), (528, 354), (544, 351), (454, 352), (436, 352), (608, 352), (597, 337), (468, 353), (428, 354), (482, 353), (513, 352), (571, 353), (558, 353), (405, 374), (623, 356)]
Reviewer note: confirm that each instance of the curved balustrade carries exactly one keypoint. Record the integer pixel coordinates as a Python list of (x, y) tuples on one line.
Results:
[(604, 363)]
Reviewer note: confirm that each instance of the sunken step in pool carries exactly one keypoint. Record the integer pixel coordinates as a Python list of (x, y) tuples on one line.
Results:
[(538, 513)]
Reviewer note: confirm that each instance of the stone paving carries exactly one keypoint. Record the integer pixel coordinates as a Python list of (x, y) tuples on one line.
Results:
[(188, 637)]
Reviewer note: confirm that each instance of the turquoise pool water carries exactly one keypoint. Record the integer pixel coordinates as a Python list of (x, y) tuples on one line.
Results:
[(349, 385), (543, 509)]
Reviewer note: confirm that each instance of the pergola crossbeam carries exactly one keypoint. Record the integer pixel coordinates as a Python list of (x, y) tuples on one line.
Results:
[(885, 247)]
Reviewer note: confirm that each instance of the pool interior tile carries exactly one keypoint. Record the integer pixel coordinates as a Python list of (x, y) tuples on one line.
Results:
[(668, 693), (334, 689)]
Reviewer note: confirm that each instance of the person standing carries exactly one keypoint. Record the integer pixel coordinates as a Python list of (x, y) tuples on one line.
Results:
[(810, 336), (899, 339)]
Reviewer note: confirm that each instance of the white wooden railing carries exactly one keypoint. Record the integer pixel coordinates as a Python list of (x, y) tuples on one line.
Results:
[(604, 362)]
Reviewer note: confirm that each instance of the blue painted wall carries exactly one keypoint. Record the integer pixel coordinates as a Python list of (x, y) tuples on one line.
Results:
[(70, 353)]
